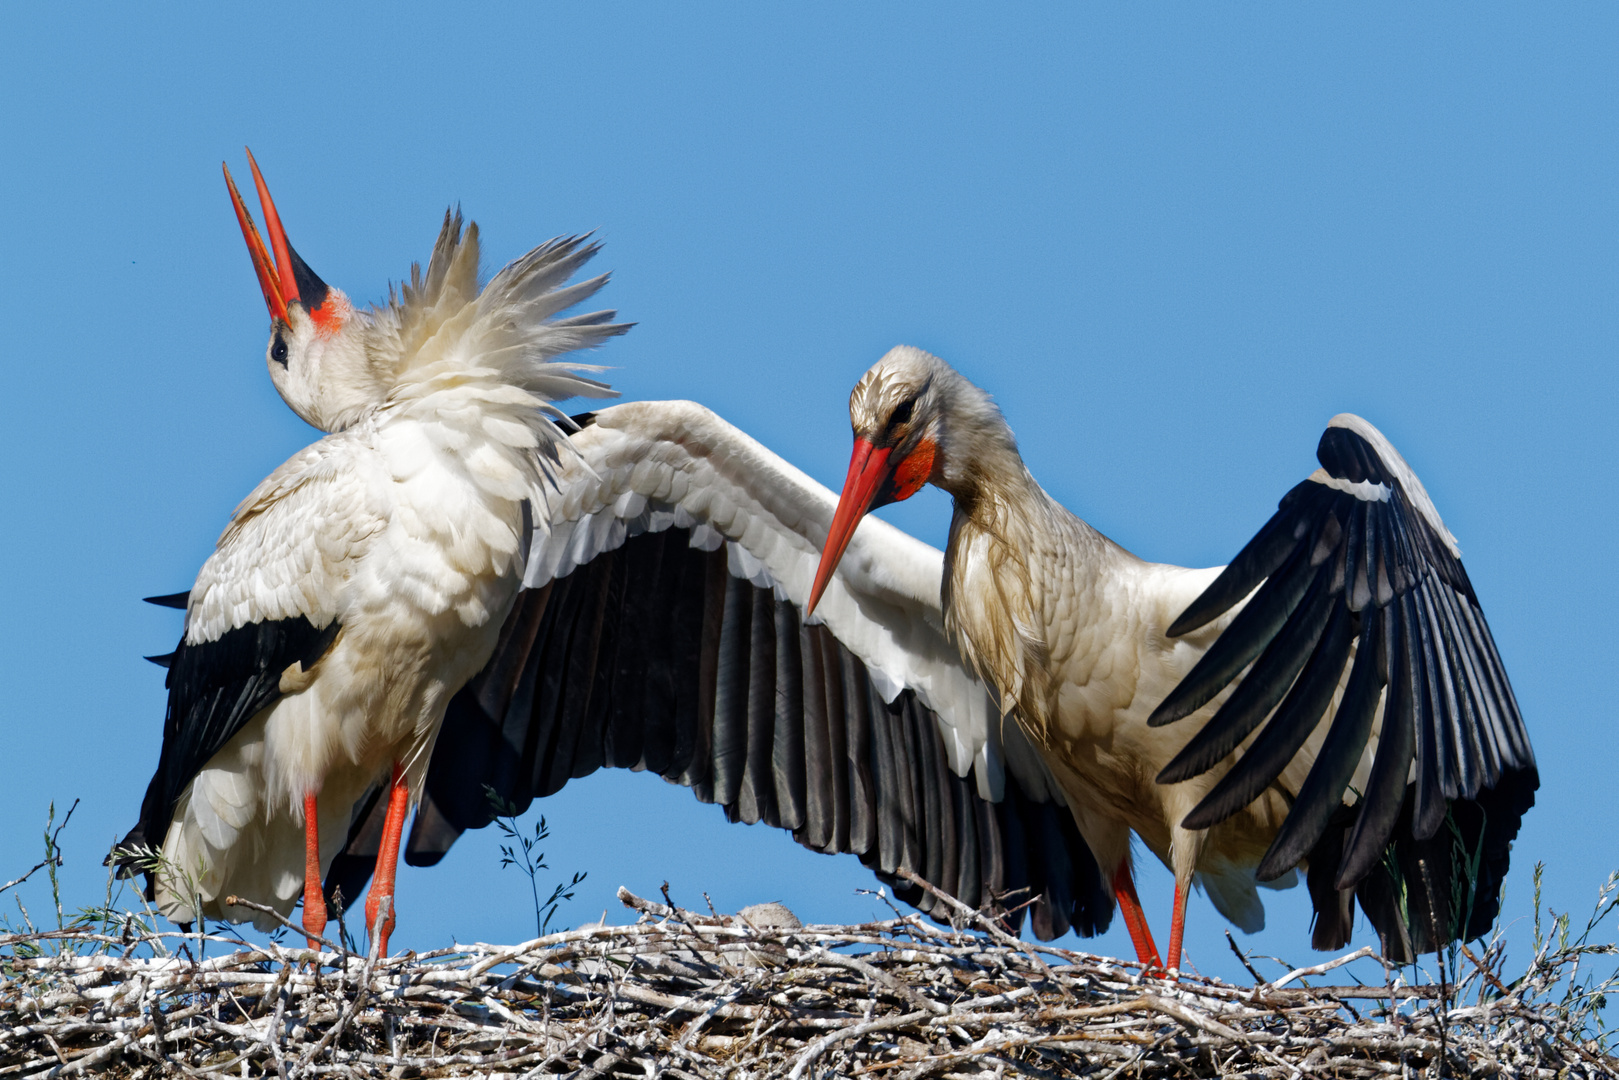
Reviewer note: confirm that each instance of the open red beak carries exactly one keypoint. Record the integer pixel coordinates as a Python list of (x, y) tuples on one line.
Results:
[(274, 298), (283, 276), (868, 469)]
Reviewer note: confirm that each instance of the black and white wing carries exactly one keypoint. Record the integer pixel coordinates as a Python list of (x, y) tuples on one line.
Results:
[(661, 630), (1356, 572), (262, 603)]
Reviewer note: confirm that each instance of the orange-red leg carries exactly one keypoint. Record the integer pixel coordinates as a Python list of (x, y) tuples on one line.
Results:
[(382, 883), (314, 899), (1177, 925), (1135, 920)]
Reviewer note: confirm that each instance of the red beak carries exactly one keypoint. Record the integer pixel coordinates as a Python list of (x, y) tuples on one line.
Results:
[(278, 235), (868, 469), (276, 275), (274, 299)]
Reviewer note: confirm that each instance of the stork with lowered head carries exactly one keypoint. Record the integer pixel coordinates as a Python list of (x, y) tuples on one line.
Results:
[(1332, 701)]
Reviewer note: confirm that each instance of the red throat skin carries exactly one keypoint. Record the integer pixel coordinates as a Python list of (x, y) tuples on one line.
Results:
[(915, 470)]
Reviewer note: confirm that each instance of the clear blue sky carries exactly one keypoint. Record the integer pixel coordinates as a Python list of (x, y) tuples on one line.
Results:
[(1172, 242)]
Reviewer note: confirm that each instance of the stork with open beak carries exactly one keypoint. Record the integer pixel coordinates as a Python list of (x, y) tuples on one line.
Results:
[(366, 579), (452, 595), (1147, 688)]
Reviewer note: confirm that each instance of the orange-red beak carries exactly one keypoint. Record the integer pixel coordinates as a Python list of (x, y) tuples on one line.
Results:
[(868, 471), (282, 275), (275, 295)]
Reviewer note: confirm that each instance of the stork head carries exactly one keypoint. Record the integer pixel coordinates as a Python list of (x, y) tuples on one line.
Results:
[(317, 351), (899, 411)]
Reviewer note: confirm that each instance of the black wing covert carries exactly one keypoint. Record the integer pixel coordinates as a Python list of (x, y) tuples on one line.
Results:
[(1355, 570), (655, 657), (214, 689)]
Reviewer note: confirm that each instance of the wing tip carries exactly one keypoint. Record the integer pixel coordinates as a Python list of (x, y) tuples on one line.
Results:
[(1190, 619)]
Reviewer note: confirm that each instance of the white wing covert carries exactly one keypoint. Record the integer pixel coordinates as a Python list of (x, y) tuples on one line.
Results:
[(292, 543)]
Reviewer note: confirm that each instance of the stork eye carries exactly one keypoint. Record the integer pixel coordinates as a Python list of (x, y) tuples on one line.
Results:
[(902, 414), (278, 351)]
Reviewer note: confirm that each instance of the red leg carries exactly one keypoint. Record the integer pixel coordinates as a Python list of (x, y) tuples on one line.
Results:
[(314, 899), (382, 884), (1177, 925), (1124, 890)]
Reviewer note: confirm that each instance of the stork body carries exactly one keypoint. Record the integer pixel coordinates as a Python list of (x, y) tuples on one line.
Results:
[(365, 580), (1362, 613)]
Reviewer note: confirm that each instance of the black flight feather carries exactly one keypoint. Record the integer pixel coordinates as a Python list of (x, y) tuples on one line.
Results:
[(1242, 641)]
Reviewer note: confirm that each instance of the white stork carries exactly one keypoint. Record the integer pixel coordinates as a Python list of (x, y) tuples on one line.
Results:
[(1351, 601), (448, 594)]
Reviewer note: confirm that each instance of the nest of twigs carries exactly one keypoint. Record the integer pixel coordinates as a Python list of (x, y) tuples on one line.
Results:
[(684, 994)]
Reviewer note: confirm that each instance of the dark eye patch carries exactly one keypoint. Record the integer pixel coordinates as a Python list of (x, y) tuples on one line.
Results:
[(278, 351), (902, 413)]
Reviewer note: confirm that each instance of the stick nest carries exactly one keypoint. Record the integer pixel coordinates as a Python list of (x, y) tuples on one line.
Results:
[(680, 994)]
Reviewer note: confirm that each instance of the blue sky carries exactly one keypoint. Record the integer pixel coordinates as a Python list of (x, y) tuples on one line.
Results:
[(1172, 241)]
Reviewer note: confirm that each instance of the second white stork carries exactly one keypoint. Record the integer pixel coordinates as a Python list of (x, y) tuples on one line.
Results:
[(1351, 604)]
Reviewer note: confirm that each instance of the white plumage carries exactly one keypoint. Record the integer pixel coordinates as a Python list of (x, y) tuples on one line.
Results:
[(405, 527)]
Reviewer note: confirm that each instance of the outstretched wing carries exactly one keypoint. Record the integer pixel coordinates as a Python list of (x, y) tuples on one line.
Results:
[(1355, 571), (661, 630), (263, 602)]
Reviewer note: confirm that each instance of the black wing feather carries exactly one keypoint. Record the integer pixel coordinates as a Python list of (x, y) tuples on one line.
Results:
[(1335, 566), (215, 688), (1244, 640), (820, 763), (756, 801), (1261, 691), (864, 817), (787, 748), (1385, 788)]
